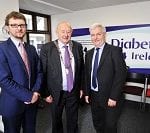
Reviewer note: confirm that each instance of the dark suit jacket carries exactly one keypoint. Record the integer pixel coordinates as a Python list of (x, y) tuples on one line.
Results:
[(14, 80), (52, 68), (111, 73)]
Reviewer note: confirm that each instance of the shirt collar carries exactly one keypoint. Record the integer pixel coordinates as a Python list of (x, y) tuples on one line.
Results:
[(16, 41), (101, 47), (61, 45)]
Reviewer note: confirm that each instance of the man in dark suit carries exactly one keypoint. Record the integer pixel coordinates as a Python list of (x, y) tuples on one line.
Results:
[(57, 74), (105, 74), (20, 78)]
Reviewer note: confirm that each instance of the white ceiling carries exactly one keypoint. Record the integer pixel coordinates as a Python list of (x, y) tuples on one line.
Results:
[(52, 7)]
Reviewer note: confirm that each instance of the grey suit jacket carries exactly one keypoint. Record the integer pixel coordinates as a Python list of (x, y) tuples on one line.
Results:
[(111, 73), (51, 64)]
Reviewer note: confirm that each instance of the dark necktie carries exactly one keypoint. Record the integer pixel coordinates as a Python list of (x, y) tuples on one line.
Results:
[(24, 56), (94, 76), (69, 73)]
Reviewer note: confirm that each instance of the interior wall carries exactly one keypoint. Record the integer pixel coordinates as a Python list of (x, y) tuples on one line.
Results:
[(135, 13), (6, 6)]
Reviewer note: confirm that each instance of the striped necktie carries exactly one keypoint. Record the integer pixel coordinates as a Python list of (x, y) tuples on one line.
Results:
[(94, 76)]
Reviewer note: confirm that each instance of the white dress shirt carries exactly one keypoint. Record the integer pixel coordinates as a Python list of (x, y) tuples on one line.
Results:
[(62, 52)]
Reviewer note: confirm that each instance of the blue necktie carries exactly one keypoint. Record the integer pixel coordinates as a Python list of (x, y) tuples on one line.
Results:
[(94, 76)]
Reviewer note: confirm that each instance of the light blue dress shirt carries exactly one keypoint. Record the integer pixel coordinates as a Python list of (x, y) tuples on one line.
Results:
[(100, 53)]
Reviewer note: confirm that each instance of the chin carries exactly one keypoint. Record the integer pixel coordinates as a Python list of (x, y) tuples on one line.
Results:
[(65, 42), (97, 44), (19, 37)]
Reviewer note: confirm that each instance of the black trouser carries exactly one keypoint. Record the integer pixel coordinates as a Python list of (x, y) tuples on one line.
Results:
[(105, 118), (71, 103)]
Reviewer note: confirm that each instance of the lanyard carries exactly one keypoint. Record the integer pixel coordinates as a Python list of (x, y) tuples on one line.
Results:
[(60, 53)]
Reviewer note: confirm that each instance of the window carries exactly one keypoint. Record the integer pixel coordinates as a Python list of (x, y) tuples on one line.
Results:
[(41, 23), (38, 28), (29, 21), (38, 40)]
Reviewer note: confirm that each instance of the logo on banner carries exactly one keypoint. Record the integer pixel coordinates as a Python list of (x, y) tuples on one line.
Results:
[(134, 40)]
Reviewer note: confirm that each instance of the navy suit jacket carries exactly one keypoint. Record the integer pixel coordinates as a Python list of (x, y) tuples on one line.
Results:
[(14, 80)]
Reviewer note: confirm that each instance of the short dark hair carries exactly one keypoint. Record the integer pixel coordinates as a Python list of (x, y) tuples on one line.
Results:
[(15, 15)]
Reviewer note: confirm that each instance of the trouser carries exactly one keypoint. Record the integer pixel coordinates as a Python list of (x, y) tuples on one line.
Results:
[(71, 103), (105, 118), (25, 120)]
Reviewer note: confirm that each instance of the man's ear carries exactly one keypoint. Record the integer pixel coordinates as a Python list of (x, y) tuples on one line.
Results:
[(7, 29)]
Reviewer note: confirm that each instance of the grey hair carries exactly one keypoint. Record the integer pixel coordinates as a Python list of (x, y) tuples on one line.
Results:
[(95, 25), (63, 22)]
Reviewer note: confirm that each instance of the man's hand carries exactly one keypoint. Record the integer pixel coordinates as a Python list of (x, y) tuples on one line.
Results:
[(35, 97), (87, 99), (111, 103), (49, 99), (81, 93)]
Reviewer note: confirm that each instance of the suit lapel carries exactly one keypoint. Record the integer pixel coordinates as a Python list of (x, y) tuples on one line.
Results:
[(104, 54), (74, 52), (15, 52), (29, 55), (90, 59), (56, 58)]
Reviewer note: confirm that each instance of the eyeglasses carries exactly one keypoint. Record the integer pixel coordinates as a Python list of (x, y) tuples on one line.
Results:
[(18, 25)]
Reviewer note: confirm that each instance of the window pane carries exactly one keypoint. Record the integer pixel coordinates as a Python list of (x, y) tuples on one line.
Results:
[(38, 40), (41, 23), (29, 21)]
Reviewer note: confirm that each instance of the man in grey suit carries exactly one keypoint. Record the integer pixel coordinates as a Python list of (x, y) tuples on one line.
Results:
[(63, 78), (105, 74)]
